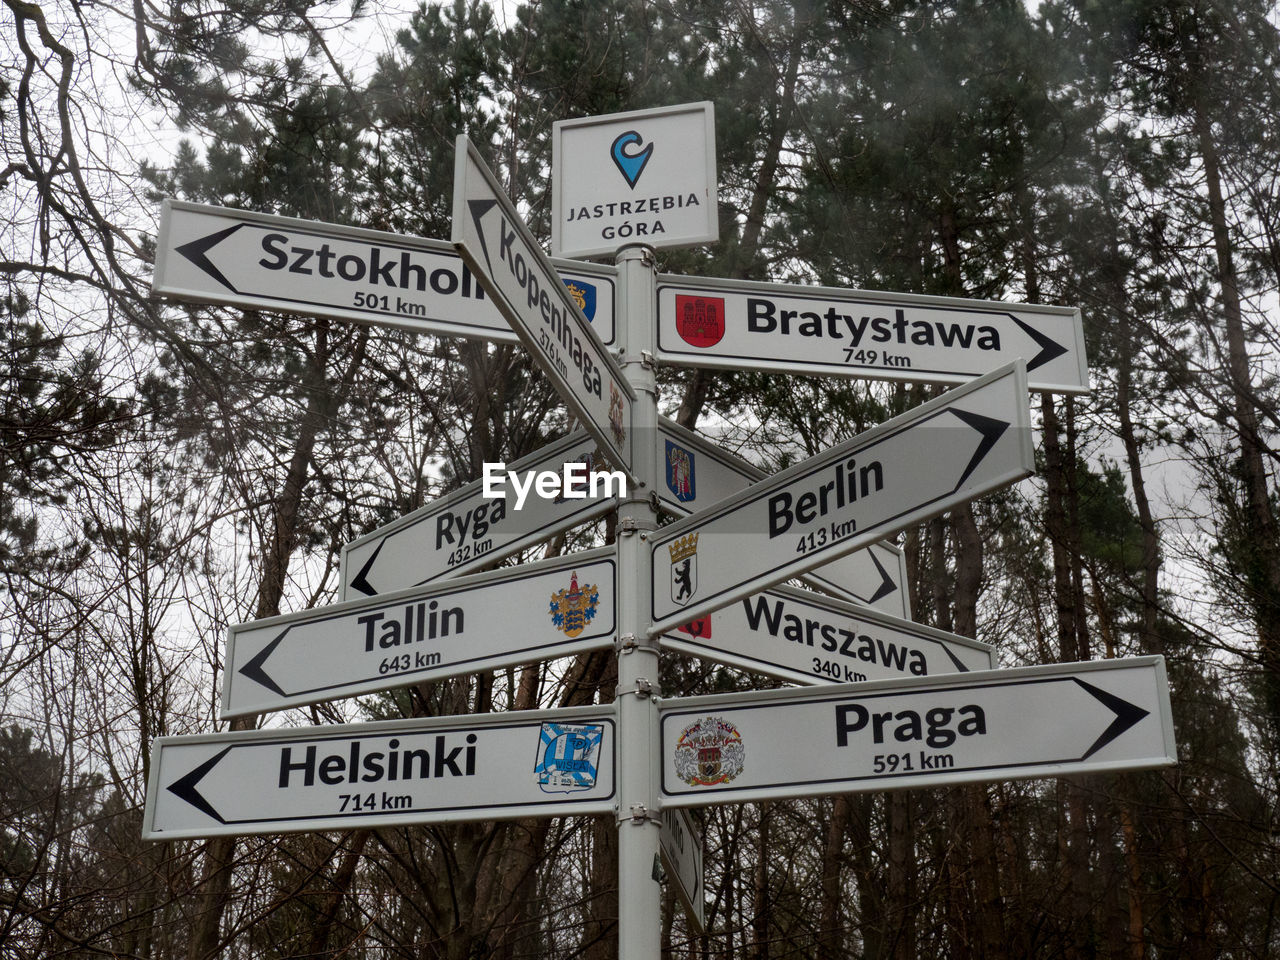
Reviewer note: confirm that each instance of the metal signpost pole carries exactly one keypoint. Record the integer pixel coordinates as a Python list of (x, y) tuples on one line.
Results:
[(639, 821)]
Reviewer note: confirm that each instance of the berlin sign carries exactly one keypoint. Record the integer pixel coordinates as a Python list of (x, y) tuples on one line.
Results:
[(807, 638), (973, 439), (996, 725), (367, 775), (466, 530), (259, 261), (697, 473), (524, 285), (553, 608), (787, 328), (647, 176)]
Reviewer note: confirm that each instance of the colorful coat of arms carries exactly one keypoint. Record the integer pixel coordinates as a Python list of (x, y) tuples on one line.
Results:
[(573, 609), (584, 295), (700, 320), (680, 476), (616, 425), (684, 568), (708, 752)]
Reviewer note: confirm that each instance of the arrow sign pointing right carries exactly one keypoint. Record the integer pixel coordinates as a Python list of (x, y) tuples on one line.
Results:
[(967, 728), (973, 439), (870, 335)]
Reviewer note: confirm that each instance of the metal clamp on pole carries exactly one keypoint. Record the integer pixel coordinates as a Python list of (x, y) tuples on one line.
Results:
[(640, 815), (642, 690), (626, 643), (628, 526)]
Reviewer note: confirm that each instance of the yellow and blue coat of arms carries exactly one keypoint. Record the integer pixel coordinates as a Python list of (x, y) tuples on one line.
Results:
[(573, 609)]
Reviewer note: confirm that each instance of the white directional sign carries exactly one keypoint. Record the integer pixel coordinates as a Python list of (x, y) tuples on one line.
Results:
[(996, 725), (973, 439), (697, 473), (554, 608), (467, 530), (512, 268), (681, 846), (787, 328), (258, 261), (369, 775), (647, 176), (807, 638)]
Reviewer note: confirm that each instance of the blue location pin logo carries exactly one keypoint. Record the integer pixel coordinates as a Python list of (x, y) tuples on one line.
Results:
[(631, 164)]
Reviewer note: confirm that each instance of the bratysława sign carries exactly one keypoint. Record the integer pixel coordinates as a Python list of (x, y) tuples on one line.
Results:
[(885, 703)]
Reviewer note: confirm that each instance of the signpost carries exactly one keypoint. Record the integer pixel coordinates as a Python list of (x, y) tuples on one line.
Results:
[(697, 473), (367, 775), (786, 328), (514, 271), (997, 725), (973, 439), (705, 585), (807, 638), (257, 261), (555, 608), (648, 176), (467, 530)]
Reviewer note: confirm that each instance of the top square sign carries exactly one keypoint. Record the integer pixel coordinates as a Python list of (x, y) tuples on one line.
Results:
[(647, 176)]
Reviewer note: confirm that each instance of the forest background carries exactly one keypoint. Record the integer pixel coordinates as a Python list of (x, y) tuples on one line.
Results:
[(168, 469)]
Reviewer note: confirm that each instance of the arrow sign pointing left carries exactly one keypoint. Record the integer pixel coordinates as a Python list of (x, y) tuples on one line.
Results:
[(973, 439), (258, 261), (525, 287), (554, 608), (997, 725), (368, 775)]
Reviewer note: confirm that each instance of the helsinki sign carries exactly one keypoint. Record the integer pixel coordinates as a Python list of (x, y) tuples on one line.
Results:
[(807, 638), (997, 725), (787, 328), (553, 608), (264, 262), (512, 268), (368, 775), (973, 439), (648, 176)]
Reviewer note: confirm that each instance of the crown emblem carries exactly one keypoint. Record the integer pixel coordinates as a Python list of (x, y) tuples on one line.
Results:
[(579, 296), (683, 548)]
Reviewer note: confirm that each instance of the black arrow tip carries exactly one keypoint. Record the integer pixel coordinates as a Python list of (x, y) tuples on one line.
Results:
[(253, 669), (185, 787), (361, 580), (1127, 714), (887, 583), (1049, 349), (991, 430), (197, 252)]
